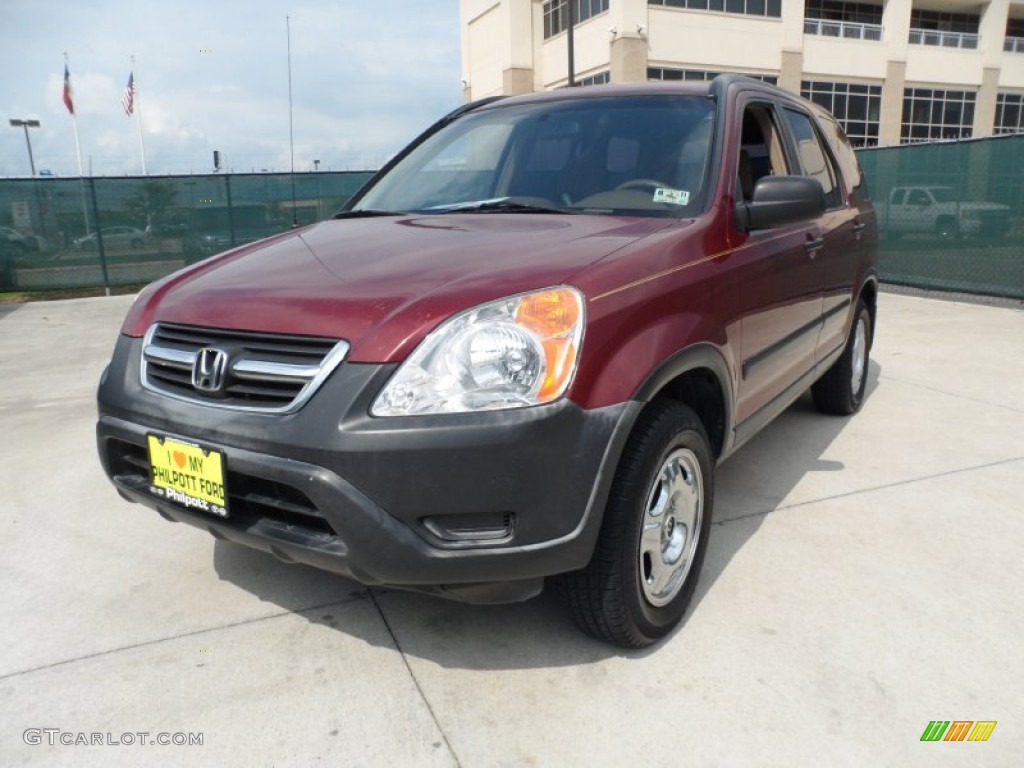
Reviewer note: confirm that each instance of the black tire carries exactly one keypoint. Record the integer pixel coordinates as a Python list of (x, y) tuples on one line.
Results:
[(946, 228), (836, 392), (609, 598)]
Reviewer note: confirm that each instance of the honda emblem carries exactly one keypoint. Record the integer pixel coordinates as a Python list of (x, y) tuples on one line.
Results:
[(209, 369)]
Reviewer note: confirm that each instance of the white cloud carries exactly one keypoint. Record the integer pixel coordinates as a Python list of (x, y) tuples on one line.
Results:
[(213, 75)]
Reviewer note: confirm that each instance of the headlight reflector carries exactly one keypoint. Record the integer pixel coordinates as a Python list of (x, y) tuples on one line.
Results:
[(509, 353)]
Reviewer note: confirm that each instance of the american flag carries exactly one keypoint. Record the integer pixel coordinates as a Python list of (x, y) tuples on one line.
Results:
[(69, 101), (128, 100)]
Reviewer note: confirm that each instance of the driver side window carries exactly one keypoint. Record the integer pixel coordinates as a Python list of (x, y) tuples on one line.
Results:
[(761, 151)]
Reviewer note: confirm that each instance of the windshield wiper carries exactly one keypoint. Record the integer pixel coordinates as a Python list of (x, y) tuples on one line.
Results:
[(365, 213), (495, 205)]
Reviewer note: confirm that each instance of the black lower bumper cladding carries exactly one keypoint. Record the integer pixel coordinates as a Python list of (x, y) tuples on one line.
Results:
[(479, 507)]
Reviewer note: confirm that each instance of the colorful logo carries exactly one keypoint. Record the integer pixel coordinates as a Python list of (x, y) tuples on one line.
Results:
[(958, 730)]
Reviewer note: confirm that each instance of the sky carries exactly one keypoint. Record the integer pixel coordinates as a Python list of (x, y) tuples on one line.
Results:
[(213, 74)]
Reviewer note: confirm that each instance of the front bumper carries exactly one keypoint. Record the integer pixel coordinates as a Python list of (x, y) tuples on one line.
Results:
[(480, 507)]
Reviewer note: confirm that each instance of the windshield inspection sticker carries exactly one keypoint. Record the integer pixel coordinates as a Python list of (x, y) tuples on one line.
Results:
[(671, 196)]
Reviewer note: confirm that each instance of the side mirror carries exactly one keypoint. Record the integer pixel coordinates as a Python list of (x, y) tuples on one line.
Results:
[(781, 200)]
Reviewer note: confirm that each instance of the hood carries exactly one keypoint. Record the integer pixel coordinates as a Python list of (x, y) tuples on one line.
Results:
[(382, 283)]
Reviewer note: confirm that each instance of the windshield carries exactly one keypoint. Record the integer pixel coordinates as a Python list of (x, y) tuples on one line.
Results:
[(636, 155)]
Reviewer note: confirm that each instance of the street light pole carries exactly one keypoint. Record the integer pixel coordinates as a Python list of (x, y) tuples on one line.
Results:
[(26, 124)]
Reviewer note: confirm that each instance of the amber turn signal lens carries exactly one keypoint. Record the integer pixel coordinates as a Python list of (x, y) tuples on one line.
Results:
[(549, 313), (559, 356), (554, 316)]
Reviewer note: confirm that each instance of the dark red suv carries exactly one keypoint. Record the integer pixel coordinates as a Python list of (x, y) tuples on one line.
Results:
[(518, 353)]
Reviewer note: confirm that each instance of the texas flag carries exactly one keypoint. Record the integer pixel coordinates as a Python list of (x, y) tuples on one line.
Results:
[(69, 100)]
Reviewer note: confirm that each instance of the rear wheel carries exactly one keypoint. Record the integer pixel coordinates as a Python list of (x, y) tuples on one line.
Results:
[(841, 390), (946, 228), (654, 534)]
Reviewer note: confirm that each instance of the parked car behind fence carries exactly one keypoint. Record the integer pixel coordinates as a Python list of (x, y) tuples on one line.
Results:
[(113, 238)]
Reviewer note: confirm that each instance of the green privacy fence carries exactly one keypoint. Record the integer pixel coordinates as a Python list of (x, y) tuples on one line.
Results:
[(58, 233), (951, 214), (951, 217)]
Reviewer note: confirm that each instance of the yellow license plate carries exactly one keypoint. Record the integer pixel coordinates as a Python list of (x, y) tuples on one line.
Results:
[(188, 475)]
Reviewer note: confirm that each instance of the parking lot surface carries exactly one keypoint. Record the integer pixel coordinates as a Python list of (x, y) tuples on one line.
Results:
[(864, 578)]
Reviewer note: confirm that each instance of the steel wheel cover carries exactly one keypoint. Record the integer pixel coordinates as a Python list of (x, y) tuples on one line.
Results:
[(860, 357), (672, 524)]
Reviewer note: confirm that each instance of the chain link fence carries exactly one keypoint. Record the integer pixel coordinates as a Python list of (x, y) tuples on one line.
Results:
[(951, 214), (58, 233), (951, 217)]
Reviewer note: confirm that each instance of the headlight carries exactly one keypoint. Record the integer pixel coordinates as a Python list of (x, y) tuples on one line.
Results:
[(508, 353)]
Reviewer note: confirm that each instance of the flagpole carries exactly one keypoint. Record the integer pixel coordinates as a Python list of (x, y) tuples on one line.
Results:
[(291, 129), (78, 154), (138, 106)]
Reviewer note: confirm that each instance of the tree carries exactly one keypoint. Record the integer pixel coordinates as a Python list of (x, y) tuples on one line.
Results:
[(150, 205)]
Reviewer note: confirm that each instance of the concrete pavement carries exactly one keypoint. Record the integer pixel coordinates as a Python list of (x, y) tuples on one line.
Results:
[(863, 578)]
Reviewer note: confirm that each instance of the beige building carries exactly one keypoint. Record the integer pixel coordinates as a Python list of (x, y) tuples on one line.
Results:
[(893, 72)]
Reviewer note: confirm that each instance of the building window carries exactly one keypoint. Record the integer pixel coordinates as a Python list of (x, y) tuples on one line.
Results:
[(855, 106), (832, 18), (933, 114), (1014, 42), (949, 30), (1009, 113), (601, 78), (771, 8), (556, 14), (669, 73)]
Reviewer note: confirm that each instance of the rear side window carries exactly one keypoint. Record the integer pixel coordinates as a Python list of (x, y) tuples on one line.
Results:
[(842, 150), (919, 197), (812, 156)]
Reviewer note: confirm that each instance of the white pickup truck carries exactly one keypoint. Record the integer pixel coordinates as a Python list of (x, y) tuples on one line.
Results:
[(937, 211)]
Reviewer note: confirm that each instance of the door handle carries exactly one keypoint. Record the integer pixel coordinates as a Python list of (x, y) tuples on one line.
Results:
[(813, 245)]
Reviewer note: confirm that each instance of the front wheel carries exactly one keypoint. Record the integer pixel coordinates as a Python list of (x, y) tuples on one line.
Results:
[(654, 534), (841, 390)]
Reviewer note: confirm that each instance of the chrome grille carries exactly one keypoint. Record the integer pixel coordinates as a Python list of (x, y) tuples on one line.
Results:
[(264, 372)]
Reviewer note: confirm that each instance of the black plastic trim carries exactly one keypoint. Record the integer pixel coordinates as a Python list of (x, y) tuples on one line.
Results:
[(375, 480), (758, 420), (782, 344), (686, 360), (840, 307)]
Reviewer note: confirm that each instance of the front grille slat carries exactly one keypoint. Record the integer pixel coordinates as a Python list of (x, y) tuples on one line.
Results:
[(264, 370), (273, 373), (253, 390)]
